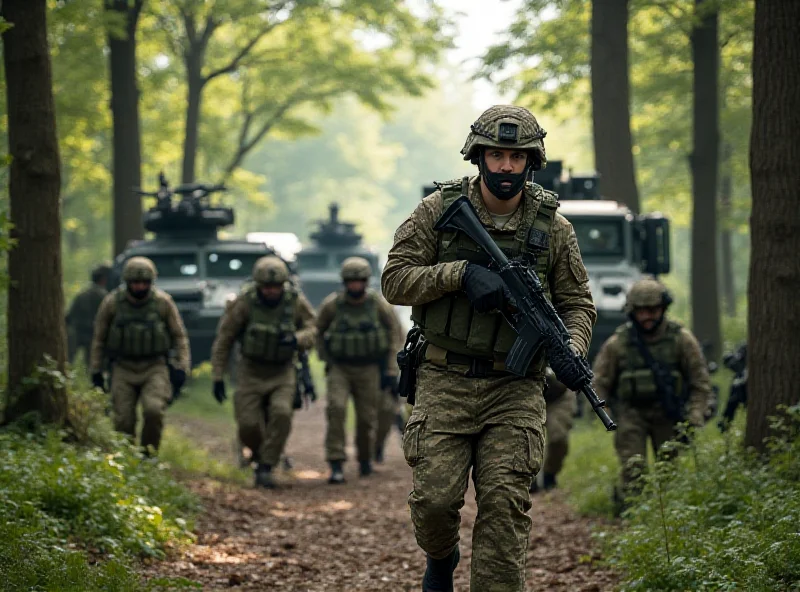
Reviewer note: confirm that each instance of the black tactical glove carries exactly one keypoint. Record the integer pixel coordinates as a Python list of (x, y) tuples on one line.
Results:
[(219, 391), (99, 381), (485, 289), (574, 373), (389, 383), (178, 378), (289, 339)]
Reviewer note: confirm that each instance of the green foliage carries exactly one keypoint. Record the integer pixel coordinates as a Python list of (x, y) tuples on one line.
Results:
[(718, 518)]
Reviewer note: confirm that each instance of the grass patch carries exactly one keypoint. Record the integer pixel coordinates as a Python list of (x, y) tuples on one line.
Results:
[(187, 457), (718, 518), (590, 469)]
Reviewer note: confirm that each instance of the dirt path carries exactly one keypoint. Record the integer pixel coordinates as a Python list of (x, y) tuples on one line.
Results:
[(310, 536)]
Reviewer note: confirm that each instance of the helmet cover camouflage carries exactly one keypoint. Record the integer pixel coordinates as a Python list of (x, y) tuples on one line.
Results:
[(507, 127), (139, 269), (270, 270), (356, 268), (647, 292)]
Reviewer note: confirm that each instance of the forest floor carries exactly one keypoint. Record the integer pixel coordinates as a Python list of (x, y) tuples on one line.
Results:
[(310, 536)]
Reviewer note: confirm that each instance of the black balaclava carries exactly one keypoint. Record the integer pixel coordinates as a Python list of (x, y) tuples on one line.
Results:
[(139, 294), (268, 302), (494, 180)]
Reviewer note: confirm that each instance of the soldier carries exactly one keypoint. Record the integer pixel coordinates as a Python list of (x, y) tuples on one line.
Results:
[(80, 318), (389, 401), (561, 405), (356, 329), (623, 375), (136, 327), (470, 413), (272, 320)]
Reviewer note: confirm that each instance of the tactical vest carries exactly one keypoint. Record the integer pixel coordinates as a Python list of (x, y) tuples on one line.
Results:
[(138, 331), (635, 383), (451, 322), (261, 338), (356, 334)]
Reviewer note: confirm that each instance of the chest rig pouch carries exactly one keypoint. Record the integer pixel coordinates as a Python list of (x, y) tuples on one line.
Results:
[(137, 331), (357, 335), (265, 337), (637, 384), (451, 322)]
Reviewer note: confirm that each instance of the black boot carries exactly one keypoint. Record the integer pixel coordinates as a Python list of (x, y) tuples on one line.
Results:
[(364, 468), (379, 455), (549, 481), (439, 573), (337, 474), (264, 477)]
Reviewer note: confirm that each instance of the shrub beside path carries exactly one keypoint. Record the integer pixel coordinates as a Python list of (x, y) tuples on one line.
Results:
[(309, 536)]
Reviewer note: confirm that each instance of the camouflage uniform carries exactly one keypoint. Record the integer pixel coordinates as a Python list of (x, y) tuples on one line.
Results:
[(487, 421), (340, 326), (388, 402), (82, 312), (622, 377), (561, 404), (137, 336), (265, 376)]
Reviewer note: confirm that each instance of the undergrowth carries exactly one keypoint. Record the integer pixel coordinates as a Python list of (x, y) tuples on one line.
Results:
[(717, 518)]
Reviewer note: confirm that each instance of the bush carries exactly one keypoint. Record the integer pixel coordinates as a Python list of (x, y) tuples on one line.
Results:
[(718, 518)]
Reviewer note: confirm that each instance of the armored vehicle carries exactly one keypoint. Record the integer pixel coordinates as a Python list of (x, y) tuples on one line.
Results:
[(319, 264), (617, 245), (197, 268)]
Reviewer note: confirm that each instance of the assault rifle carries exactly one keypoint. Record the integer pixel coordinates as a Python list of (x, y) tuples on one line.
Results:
[(304, 393), (534, 319), (736, 362)]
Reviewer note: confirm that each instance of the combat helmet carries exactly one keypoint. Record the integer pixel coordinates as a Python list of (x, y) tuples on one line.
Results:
[(139, 269), (507, 127), (356, 268), (270, 270), (647, 292)]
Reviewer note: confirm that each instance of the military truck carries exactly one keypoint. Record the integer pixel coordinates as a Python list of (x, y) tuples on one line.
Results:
[(319, 264), (197, 268), (617, 245)]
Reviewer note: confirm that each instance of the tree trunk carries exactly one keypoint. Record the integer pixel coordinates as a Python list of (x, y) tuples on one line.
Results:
[(125, 110), (194, 94), (35, 298), (611, 116), (704, 167), (773, 320), (726, 236)]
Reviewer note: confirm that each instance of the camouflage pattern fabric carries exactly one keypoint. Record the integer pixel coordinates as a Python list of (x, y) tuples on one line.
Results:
[(80, 320), (636, 424), (363, 382), (560, 414), (494, 426), (172, 318), (388, 406), (149, 385), (264, 391), (486, 132)]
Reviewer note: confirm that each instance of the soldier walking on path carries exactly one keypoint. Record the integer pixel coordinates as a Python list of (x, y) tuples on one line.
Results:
[(471, 415), (272, 320), (357, 330), (654, 373), (82, 312), (136, 328)]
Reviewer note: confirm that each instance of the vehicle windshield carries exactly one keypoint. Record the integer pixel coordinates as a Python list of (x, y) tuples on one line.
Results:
[(599, 237), (230, 265), (175, 265)]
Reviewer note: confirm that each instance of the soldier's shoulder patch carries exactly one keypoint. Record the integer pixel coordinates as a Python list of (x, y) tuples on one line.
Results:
[(550, 197), (405, 230), (576, 263)]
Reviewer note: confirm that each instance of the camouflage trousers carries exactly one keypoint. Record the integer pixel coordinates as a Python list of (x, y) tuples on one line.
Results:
[(363, 382), (635, 426), (146, 383), (262, 404), (492, 426), (560, 415), (388, 408)]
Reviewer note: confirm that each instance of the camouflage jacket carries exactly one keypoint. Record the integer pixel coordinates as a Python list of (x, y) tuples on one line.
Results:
[(412, 275)]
